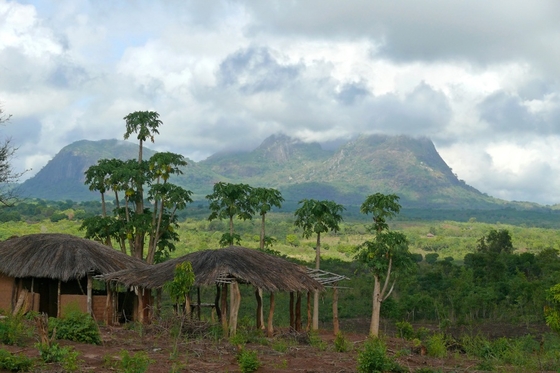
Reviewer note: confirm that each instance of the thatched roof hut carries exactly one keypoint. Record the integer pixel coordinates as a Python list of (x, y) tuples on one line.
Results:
[(245, 266), (60, 256), (47, 272)]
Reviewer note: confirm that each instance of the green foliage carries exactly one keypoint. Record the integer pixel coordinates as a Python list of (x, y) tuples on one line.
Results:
[(183, 279), (435, 345), (14, 330), (54, 353), (76, 326), (14, 362), (316, 341), (496, 241), (135, 363), (316, 217), (248, 360), (341, 343), (405, 330), (373, 357), (431, 258)]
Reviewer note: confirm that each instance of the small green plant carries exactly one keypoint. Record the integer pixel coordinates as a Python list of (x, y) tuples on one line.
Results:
[(373, 357), (14, 330), (435, 346), (51, 353), (248, 360), (316, 341), (341, 344), (75, 326), (427, 370), (136, 363), (280, 345), (14, 362), (405, 330)]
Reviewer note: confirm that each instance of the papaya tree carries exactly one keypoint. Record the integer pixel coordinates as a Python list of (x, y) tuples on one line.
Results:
[(316, 217), (385, 253), (227, 202), (263, 200), (131, 220)]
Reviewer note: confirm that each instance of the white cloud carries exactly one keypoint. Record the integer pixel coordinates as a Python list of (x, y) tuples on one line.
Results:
[(481, 79)]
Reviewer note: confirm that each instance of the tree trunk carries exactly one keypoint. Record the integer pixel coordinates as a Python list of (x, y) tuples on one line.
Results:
[(376, 309)]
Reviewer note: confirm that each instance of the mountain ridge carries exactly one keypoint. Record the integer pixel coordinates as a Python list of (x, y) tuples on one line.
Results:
[(409, 167)]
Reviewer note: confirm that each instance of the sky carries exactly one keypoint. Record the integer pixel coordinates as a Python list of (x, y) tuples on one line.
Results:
[(481, 79)]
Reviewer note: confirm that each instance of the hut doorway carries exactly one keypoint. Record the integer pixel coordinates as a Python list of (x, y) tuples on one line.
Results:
[(46, 290)]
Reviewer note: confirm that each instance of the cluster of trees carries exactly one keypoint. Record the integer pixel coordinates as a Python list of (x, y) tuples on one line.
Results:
[(493, 283)]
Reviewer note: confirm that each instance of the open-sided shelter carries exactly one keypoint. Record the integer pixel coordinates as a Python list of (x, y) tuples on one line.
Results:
[(46, 272), (231, 266)]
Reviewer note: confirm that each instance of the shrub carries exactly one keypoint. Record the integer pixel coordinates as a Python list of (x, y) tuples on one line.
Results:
[(248, 361), (435, 346), (13, 330), (76, 326), (14, 362), (373, 357), (136, 363), (341, 344), (405, 330)]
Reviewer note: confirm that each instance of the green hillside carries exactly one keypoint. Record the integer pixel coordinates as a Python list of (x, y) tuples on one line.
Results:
[(409, 167)]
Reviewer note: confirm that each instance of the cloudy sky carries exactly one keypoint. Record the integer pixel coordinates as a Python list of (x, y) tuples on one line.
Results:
[(481, 79)]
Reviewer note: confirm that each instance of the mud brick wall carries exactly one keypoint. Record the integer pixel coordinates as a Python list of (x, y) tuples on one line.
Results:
[(6, 286), (81, 301)]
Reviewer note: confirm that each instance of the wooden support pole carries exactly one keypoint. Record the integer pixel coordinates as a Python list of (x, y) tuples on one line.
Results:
[(335, 310), (234, 302), (32, 294), (316, 310), (260, 315), (198, 301), (298, 311), (224, 309), (89, 294), (217, 303), (58, 301), (308, 327), (292, 314), (270, 327), (107, 318)]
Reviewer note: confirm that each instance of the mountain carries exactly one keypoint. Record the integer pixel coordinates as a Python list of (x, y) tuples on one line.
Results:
[(63, 176), (409, 167)]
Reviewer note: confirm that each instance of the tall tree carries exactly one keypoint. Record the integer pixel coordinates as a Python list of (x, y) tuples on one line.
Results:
[(263, 200), (316, 217), (7, 174), (387, 251), (228, 201), (132, 220)]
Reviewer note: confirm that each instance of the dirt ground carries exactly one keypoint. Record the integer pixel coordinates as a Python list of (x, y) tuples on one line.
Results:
[(205, 354)]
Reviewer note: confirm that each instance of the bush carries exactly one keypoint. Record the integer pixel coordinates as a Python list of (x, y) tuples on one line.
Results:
[(14, 363), (13, 330), (248, 361), (76, 326), (405, 330), (373, 357), (137, 363), (341, 344), (435, 346)]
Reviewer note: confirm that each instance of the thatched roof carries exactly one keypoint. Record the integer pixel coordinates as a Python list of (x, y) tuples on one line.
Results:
[(241, 264), (60, 256)]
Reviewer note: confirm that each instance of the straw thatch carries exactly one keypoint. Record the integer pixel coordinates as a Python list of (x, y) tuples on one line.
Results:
[(249, 266), (60, 256)]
